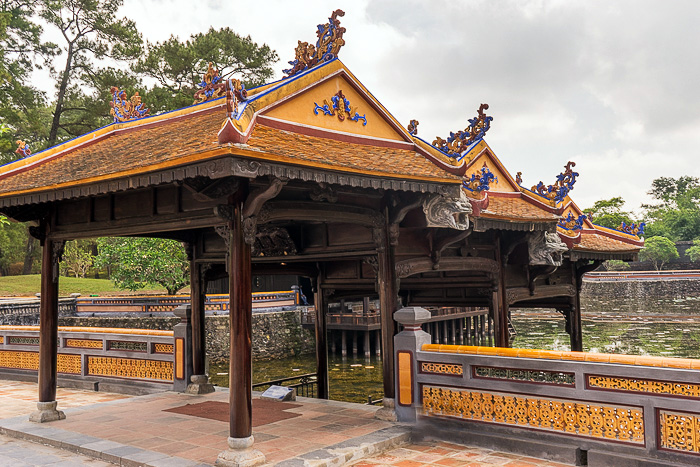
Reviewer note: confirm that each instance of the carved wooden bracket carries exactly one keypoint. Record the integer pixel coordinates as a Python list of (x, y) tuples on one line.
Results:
[(518, 294), (57, 248), (583, 269), (323, 192), (224, 211), (259, 196), (419, 265), (440, 244), (535, 272), (206, 189)]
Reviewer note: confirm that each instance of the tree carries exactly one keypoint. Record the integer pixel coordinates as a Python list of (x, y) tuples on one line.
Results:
[(91, 31), (77, 257), (609, 213), (178, 66), (658, 250), (22, 107), (138, 262), (616, 265), (677, 212), (694, 251)]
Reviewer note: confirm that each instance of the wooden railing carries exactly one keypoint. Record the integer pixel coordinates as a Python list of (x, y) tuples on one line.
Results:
[(305, 384), (598, 405), (167, 303), (94, 354)]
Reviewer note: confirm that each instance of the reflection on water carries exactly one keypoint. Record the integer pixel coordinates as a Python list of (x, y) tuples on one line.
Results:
[(353, 379), (660, 338), (350, 379)]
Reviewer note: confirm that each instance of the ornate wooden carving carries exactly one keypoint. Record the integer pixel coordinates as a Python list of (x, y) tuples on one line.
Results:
[(413, 266), (273, 241), (443, 242), (546, 248), (450, 212), (323, 192)]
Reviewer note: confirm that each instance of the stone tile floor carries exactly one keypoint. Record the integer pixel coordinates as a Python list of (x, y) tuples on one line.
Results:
[(20, 453), (441, 454), (140, 422)]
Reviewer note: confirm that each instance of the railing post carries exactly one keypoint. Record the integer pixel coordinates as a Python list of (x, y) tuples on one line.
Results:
[(182, 340), (406, 344)]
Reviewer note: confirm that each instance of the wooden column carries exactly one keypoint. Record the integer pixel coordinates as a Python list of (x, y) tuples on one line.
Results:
[(388, 304), (197, 299), (48, 319), (576, 335), (321, 303), (501, 336), (240, 320)]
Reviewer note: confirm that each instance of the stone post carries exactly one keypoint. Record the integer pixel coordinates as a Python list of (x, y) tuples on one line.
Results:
[(182, 338), (406, 344)]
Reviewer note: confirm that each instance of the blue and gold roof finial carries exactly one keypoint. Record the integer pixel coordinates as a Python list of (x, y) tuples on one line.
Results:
[(23, 149), (212, 86), (330, 40), (561, 188), (339, 106), (632, 229), (572, 223), (413, 127), (124, 109), (462, 141), (480, 180)]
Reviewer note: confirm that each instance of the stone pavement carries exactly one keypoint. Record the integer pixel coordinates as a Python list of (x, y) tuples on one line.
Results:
[(441, 454), (20, 453), (136, 430)]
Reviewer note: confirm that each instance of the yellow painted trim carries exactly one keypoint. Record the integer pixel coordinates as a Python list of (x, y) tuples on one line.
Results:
[(179, 358), (639, 360), (138, 332), (405, 378)]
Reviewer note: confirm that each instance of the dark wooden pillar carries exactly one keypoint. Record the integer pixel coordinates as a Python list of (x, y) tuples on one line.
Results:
[(388, 303), (197, 299), (502, 309), (575, 328), (240, 321), (321, 303), (48, 319)]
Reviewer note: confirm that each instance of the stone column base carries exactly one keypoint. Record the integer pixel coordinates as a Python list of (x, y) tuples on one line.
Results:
[(200, 385), (46, 413), (388, 412), (240, 454)]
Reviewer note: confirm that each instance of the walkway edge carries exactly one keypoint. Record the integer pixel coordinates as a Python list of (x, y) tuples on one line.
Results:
[(109, 451), (353, 449)]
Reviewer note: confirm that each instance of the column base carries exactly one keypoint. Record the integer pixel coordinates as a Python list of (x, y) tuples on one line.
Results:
[(46, 413), (387, 412), (240, 453), (200, 385)]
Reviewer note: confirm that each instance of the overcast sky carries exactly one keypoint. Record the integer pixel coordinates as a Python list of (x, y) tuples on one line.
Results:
[(613, 86)]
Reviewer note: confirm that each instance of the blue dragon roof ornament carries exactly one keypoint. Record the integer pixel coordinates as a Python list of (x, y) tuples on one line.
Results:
[(457, 143), (561, 188), (480, 180), (330, 40)]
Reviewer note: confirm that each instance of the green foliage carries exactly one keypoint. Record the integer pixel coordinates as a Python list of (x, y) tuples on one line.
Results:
[(77, 257), (616, 265), (138, 262), (21, 51), (91, 32), (609, 213), (658, 250), (677, 212), (13, 238), (178, 66), (694, 251)]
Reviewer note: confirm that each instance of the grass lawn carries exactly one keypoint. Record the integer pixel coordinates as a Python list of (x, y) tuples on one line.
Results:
[(31, 284)]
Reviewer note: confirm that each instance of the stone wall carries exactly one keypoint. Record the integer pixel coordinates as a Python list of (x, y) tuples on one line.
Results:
[(275, 335), (667, 297)]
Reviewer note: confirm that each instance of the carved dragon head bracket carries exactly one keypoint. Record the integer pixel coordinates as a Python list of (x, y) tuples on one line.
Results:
[(444, 211), (546, 249)]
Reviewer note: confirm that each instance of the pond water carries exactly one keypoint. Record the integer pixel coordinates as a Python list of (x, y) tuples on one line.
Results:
[(354, 379)]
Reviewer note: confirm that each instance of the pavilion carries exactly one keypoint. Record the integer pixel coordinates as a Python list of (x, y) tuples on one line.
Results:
[(310, 175)]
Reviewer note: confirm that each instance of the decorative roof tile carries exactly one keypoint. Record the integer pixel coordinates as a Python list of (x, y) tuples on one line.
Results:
[(591, 241), (516, 209)]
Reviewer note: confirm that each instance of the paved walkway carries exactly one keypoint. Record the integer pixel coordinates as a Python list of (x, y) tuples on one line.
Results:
[(20, 453), (141, 430)]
